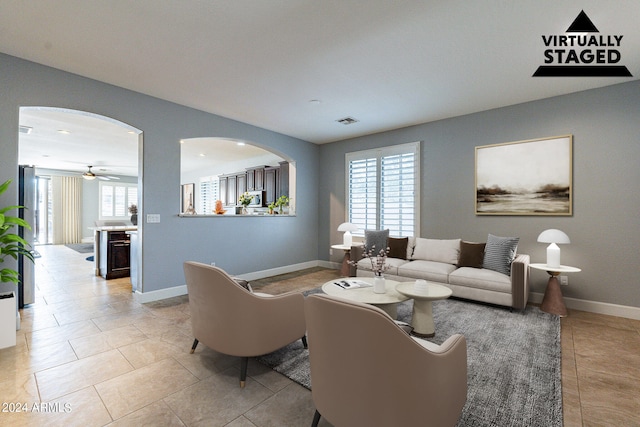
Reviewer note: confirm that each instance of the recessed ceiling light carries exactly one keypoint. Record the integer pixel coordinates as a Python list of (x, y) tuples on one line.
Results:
[(201, 154), (64, 131), (315, 102)]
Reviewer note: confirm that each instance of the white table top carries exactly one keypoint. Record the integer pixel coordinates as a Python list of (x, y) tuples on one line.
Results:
[(560, 269), (433, 292), (365, 294), (345, 248)]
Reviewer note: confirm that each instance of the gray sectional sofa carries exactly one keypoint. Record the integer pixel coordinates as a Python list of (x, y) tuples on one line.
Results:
[(489, 272)]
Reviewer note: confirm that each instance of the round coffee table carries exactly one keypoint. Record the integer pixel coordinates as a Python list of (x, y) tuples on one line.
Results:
[(422, 316), (387, 301)]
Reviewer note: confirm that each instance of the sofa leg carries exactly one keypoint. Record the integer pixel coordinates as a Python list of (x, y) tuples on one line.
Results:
[(244, 361), (304, 341), (195, 344), (316, 419)]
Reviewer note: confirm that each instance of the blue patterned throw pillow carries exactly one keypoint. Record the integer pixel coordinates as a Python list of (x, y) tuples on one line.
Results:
[(499, 253)]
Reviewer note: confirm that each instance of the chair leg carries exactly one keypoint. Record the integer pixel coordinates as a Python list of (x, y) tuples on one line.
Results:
[(244, 361), (195, 344), (316, 419), (304, 341)]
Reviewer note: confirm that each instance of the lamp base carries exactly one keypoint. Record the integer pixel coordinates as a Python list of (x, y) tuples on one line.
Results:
[(553, 302)]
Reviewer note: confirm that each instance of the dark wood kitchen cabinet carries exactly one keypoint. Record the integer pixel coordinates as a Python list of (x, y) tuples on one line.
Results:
[(115, 256)]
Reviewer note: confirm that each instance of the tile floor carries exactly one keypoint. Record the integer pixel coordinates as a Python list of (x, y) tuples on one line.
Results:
[(89, 355)]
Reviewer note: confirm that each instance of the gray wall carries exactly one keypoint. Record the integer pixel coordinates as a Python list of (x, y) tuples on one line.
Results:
[(604, 228), (237, 244)]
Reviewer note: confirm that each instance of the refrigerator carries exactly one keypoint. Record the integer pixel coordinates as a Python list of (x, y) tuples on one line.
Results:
[(27, 198)]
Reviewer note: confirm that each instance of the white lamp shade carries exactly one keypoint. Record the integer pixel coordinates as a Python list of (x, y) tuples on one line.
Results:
[(553, 235), (347, 227)]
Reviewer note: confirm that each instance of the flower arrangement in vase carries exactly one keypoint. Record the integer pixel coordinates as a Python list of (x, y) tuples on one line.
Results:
[(245, 200), (378, 266)]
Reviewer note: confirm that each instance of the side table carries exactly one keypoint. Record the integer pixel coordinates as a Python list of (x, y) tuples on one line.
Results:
[(422, 315), (345, 260), (552, 301)]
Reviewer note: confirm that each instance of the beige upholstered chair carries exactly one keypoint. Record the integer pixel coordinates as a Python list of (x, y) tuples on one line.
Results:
[(366, 371), (230, 319)]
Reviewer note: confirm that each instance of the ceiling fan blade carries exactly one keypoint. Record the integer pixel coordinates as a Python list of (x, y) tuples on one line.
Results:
[(103, 178)]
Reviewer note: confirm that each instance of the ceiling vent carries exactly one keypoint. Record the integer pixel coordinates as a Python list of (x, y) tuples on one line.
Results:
[(347, 120), (25, 129)]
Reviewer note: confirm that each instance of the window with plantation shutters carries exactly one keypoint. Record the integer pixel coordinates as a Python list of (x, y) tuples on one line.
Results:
[(383, 189), (115, 200)]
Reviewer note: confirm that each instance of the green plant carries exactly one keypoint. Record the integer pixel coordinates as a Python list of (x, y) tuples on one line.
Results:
[(282, 201), (11, 244)]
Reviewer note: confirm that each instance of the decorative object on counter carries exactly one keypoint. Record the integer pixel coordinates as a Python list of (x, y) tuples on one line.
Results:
[(11, 244), (133, 210), (272, 206), (554, 237), (282, 202), (187, 206), (245, 200), (347, 227), (218, 210)]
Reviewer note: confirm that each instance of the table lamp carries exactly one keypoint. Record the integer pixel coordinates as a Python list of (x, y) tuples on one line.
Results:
[(347, 227), (554, 237)]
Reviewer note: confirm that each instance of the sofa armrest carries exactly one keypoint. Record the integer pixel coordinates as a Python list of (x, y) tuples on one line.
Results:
[(520, 281), (355, 255)]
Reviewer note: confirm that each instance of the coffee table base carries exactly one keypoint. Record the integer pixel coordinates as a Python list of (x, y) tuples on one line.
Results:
[(422, 319)]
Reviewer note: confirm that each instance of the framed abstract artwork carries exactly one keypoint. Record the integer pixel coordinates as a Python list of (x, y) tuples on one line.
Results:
[(532, 177)]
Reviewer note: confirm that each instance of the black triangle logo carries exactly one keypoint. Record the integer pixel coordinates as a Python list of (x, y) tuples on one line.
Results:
[(582, 24)]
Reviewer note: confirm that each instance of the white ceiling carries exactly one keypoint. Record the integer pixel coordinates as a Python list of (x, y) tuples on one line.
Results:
[(388, 64)]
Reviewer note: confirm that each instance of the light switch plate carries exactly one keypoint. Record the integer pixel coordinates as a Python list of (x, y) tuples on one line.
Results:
[(153, 218)]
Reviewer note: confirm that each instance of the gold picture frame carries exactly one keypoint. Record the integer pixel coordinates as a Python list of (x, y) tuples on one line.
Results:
[(532, 177)]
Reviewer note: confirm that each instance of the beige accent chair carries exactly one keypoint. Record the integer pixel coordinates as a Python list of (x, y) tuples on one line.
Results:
[(366, 371), (228, 318)]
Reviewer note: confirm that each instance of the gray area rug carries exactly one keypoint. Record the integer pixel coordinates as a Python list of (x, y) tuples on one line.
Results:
[(513, 358), (83, 248)]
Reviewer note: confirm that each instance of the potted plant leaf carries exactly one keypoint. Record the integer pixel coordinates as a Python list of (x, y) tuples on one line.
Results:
[(282, 202), (11, 245)]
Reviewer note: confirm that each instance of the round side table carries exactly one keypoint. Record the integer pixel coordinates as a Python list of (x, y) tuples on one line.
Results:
[(552, 301), (422, 315), (344, 272)]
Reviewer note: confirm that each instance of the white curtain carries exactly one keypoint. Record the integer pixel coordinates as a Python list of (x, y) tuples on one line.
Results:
[(67, 209)]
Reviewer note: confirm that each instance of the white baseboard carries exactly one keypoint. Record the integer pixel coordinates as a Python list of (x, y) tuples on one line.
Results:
[(144, 297), (278, 270), (176, 291), (594, 306)]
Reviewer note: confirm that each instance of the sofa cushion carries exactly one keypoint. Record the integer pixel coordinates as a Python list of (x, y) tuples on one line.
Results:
[(499, 253), (376, 240), (427, 270), (398, 247), (480, 278), (471, 254), (437, 250), (394, 263)]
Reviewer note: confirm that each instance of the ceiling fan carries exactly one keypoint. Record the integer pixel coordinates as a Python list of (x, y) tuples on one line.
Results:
[(89, 175)]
